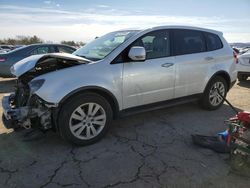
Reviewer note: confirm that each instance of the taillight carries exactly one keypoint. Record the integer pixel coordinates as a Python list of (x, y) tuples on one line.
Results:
[(2, 59), (235, 58)]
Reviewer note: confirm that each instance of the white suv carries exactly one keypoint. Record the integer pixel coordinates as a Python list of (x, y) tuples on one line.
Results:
[(243, 66), (120, 73)]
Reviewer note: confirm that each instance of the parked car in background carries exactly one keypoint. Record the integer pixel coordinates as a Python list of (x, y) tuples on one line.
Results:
[(3, 50), (236, 50), (7, 47), (18, 46), (244, 50), (10, 58), (118, 74), (243, 66)]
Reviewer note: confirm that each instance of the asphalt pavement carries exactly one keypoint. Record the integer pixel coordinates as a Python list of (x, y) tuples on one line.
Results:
[(152, 149)]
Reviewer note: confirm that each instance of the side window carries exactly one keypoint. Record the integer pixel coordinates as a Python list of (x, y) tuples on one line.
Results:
[(64, 49), (40, 50), (156, 44), (52, 49), (213, 42), (188, 42)]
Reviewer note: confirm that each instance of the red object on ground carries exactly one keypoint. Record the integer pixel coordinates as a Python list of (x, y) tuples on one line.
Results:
[(244, 117)]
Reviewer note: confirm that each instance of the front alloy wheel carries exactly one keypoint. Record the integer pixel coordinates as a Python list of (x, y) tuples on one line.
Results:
[(87, 121), (84, 118)]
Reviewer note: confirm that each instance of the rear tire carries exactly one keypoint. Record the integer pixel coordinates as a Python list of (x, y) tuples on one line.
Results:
[(85, 118), (211, 99)]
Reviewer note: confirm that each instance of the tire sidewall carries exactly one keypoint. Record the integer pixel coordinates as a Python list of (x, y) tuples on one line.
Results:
[(67, 110), (205, 98)]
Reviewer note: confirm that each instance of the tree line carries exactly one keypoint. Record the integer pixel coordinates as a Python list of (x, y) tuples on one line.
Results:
[(26, 40)]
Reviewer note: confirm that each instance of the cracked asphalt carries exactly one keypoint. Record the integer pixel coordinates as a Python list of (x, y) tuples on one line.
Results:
[(152, 149)]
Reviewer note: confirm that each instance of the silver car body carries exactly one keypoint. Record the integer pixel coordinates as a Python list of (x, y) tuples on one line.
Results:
[(244, 62), (137, 83)]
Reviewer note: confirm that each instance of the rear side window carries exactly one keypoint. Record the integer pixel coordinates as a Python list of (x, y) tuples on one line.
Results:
[(40, 50), (213, 42), (188, 42)]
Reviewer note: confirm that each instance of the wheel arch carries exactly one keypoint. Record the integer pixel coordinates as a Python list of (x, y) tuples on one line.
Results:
[(95, 89), (222, 74)]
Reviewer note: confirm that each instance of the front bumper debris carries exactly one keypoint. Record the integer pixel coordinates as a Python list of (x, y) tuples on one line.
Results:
[(6, 106), (13, 113), (14, 117), (23, 116)]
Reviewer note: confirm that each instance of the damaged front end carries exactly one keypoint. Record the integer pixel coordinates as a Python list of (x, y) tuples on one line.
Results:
[(23, 108)]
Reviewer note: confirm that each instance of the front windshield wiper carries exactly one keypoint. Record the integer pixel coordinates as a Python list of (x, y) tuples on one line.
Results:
[(88, 58), (81, 56)]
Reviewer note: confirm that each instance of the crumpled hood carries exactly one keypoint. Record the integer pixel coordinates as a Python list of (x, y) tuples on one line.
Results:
[(30, 62)]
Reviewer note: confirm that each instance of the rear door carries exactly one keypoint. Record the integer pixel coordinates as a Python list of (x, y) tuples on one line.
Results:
[(151, 80), (192, 61)]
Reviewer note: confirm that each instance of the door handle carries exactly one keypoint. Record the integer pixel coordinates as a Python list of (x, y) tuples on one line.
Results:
[(166, 65), (209, 58)]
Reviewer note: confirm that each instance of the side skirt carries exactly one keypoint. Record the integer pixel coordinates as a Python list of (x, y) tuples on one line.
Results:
[(159, 105)]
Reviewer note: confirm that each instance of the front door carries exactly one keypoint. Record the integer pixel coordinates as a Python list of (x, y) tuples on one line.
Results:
[(151, 80)]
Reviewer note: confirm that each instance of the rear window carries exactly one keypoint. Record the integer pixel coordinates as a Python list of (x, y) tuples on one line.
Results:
[(188, 42), (213, 42)]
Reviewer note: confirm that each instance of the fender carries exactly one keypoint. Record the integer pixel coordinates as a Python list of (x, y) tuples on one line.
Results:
[(99, 90), (223, 74)]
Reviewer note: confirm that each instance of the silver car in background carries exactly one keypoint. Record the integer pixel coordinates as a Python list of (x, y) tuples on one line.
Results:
[(243, 66), (118, 74)]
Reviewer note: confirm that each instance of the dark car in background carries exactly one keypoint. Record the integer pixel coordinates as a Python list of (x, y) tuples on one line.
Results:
[(6, 48), (10, 58)]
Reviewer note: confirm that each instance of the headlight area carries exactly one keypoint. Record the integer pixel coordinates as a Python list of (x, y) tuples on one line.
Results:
[(34, 85)]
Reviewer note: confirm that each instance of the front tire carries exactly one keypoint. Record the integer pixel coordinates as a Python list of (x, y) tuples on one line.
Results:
[(85, 118), (211, 100)]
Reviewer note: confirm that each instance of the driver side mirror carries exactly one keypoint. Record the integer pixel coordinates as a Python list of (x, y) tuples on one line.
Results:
[(137, 53)]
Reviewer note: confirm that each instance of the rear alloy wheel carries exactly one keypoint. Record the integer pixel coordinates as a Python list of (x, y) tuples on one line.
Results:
[(211, 100), (85, 118), (214, 98)]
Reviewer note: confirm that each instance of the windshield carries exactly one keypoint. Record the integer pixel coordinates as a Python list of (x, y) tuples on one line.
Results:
[(101, 47)]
